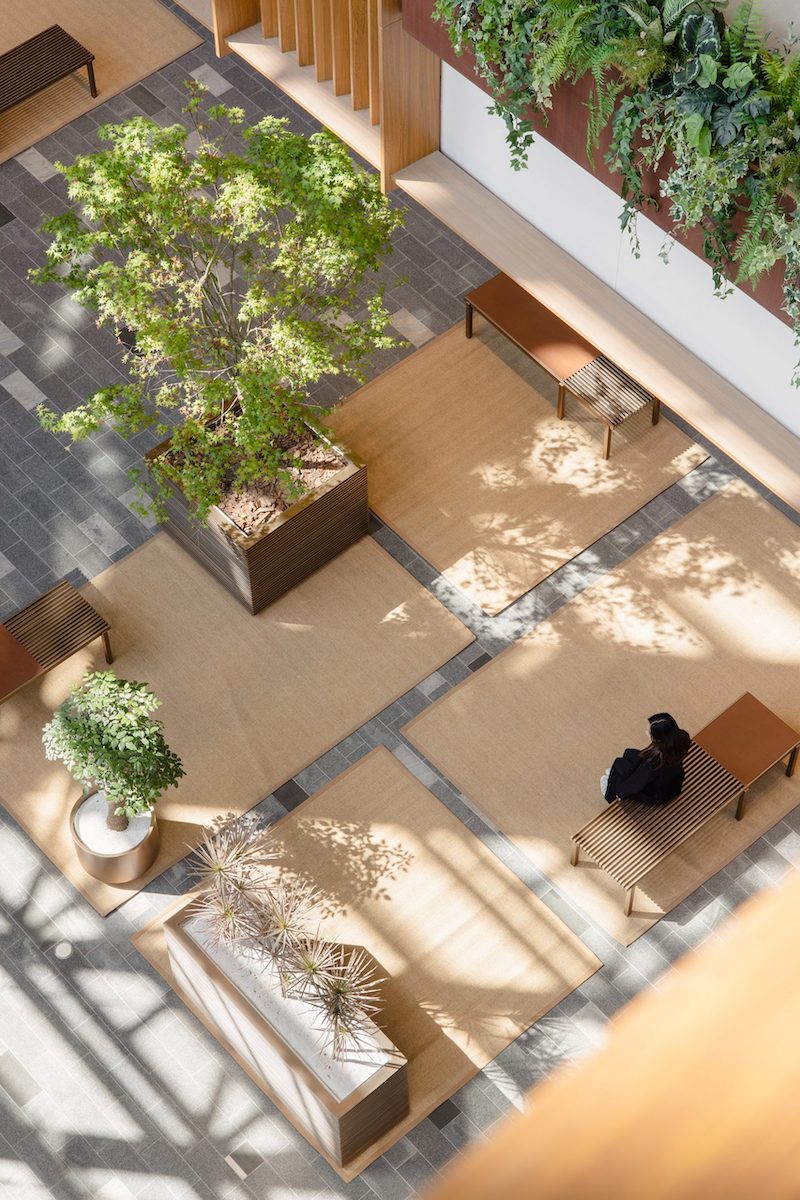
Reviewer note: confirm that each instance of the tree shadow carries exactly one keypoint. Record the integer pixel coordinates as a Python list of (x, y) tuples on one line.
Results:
[(362, 862)]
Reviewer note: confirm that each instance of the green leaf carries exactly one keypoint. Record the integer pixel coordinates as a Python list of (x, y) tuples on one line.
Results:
[(699, 36), (708, 70), (694, 129), (738, 75), (726, 125)]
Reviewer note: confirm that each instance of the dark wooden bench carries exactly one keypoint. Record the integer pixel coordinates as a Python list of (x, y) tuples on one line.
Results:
[(44, 59), (45, 633), (628, 839), (578, 367)]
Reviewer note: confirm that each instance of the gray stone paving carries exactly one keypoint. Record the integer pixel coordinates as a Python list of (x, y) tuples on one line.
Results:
[(108, 1087)]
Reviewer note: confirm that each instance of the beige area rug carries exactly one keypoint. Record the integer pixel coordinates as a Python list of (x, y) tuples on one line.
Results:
[(247, 701), (130, 39), (471, 957), (468, 462), (201, 10), (708, 611)]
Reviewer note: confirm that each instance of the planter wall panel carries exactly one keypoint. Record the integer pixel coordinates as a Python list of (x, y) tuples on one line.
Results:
[(566, 130), (260, 569)]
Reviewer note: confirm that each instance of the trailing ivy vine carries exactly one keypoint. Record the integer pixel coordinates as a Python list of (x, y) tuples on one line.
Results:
[(709, 105)]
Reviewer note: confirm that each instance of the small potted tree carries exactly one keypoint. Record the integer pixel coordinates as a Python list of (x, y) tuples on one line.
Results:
[(106, 737), (247, 268)]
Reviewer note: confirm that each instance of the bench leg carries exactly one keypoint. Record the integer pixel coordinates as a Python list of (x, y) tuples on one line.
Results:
[(792, 763), (107, 647), (576, 853), (468, 319), (92, 84), (741, 804), (607, 442), (629, 900), (656, 409), (562, 395)]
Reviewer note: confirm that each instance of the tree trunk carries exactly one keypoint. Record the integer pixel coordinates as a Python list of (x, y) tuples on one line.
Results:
[(112, 820)]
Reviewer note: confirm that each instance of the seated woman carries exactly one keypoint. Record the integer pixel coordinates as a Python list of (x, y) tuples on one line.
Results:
[(654, 775)]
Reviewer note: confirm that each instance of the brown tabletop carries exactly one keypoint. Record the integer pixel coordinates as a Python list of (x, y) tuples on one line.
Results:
[(534, 328), (17, 666), (747, 739)]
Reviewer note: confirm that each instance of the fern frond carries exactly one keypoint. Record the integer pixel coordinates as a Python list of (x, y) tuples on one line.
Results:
[(673, 11), (744, 37), (782, 78)]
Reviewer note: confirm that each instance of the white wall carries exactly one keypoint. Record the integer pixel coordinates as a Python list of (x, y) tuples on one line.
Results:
[(737, 337), (776, 15)]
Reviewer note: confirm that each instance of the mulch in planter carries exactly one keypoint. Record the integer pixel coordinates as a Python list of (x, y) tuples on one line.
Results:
[(256, 504)]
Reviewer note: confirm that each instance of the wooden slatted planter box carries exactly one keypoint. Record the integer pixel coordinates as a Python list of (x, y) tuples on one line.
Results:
[(340, 1106), (259, 568)]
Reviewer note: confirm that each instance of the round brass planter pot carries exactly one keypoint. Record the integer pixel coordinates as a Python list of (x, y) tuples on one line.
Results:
[(121, 867)]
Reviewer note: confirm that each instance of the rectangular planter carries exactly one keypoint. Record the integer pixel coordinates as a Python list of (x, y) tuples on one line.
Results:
[(340, 1109), (258, 569)]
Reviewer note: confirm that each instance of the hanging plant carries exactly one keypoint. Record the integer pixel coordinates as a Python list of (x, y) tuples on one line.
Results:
[(707, 105)]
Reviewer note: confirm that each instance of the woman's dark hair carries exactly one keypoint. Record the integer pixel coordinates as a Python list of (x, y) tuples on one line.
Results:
[(670, 744)]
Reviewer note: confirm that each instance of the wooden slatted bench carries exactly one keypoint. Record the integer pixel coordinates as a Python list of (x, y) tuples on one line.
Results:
[(726, 757), (578, 367), (628, 839), (45, 633), (39, 62)]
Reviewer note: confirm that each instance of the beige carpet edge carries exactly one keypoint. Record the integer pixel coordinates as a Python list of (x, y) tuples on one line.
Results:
[(642, 923), (496, 610), (106, 898), (46, 127), (441, 557), (150, 943)]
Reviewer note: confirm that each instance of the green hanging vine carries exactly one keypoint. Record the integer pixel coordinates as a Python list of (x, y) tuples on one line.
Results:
[(672, 77)]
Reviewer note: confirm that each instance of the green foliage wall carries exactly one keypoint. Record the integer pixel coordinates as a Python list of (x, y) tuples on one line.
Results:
[(706, 103)]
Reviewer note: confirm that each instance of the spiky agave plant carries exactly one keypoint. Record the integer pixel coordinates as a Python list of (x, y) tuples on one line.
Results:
[(284, 918), (233, 859), (311, 961), (229, 919), (243, 903), (348, 997)]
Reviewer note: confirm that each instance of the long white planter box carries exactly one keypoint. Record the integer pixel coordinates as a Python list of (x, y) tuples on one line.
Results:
[(341, 1106)]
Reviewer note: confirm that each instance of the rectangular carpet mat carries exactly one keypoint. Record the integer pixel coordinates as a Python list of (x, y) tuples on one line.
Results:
[(130, 40), (472, 957), (469, 464), (708, 611), (247, 701)]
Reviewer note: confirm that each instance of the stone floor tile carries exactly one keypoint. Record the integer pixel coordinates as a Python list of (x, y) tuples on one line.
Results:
[(217, 84), (408, 326), (23, 390)]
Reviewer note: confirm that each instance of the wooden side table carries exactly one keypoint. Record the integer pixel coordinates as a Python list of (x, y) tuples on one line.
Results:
[(577, 366), (537, 331), (747, 739)]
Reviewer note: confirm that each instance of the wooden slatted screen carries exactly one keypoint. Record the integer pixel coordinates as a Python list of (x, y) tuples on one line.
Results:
[(359, 54), (269, 18), (287, 33), (340, 46), (304, 27), (373, 22), (323, 36)]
